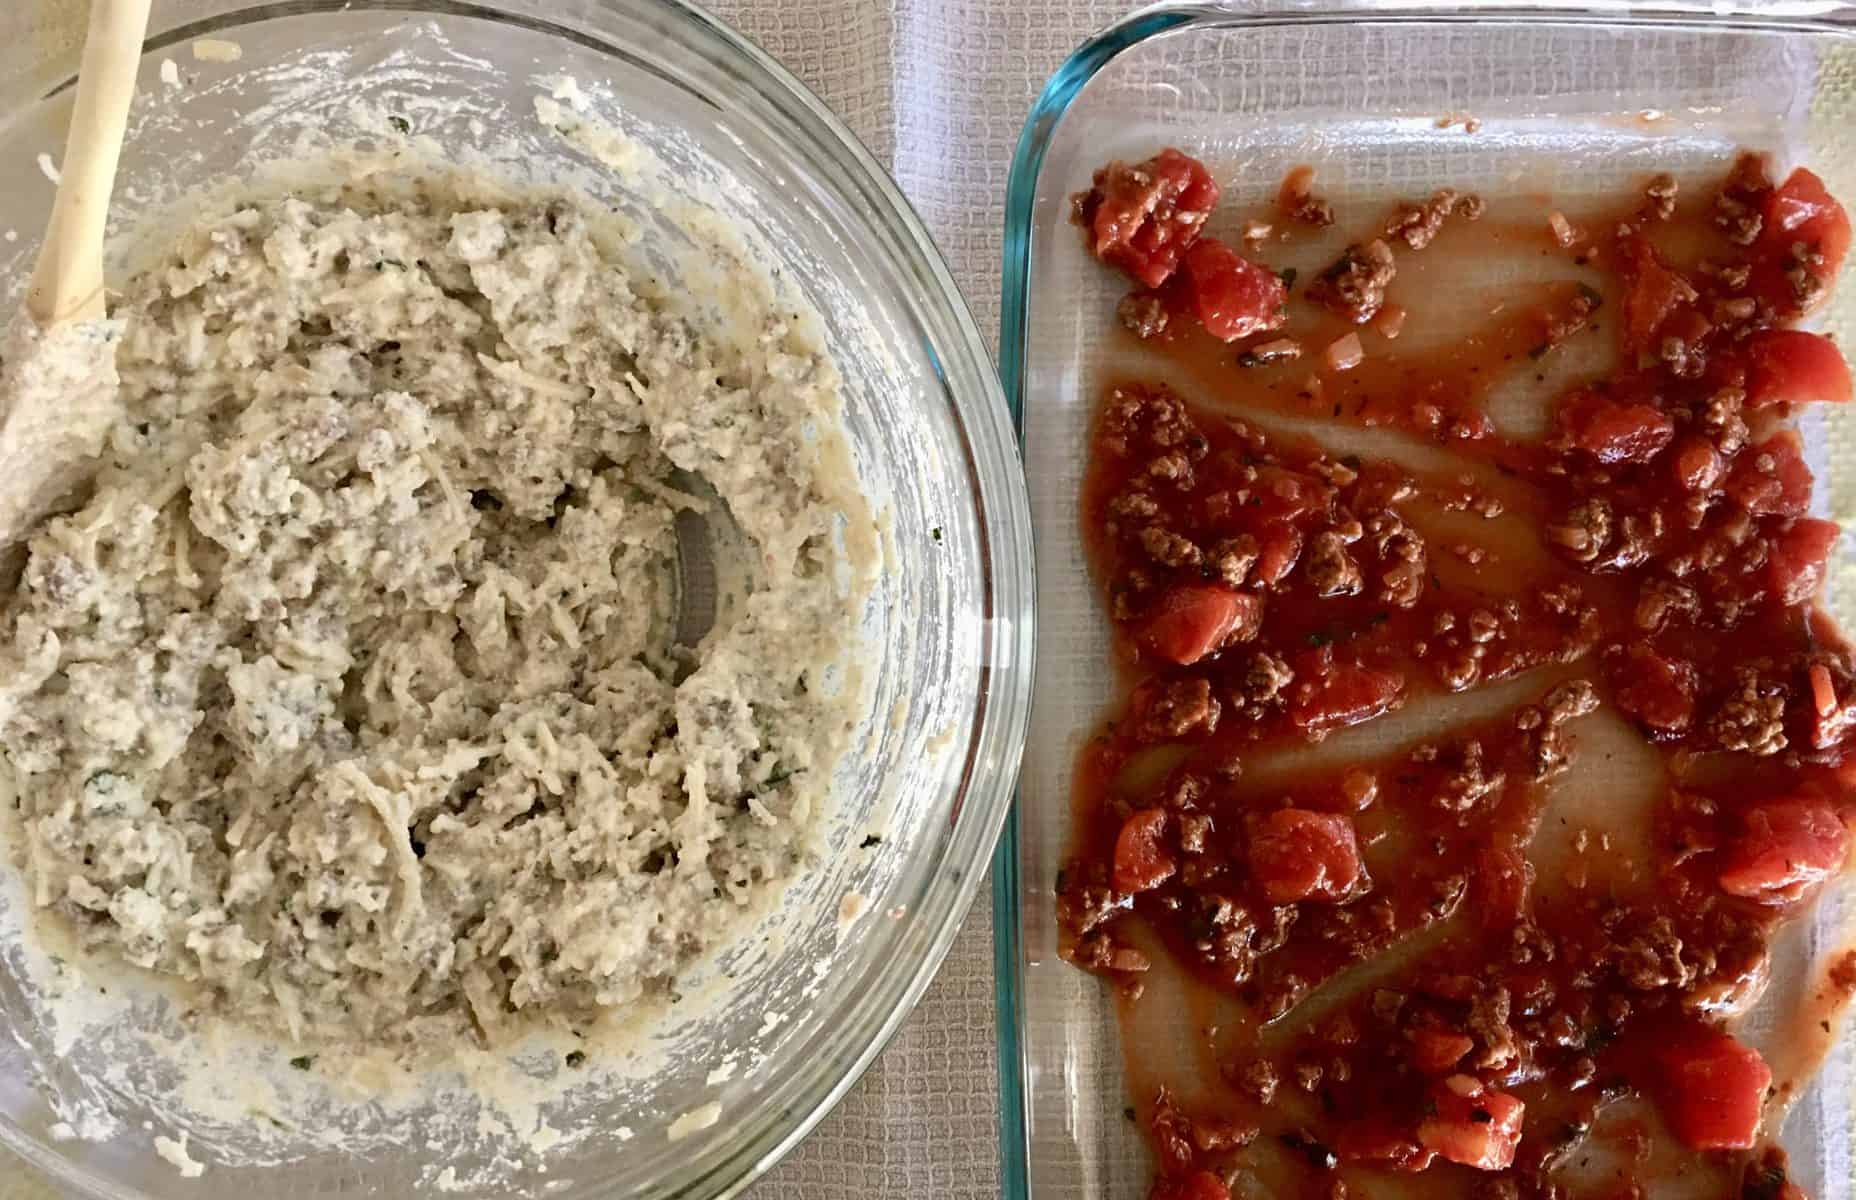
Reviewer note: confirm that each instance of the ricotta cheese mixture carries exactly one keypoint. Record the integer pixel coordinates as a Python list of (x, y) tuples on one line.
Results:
[(45, 448), (351, 694)]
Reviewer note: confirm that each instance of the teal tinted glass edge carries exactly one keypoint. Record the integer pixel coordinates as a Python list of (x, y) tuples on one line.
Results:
[(1020, 199)]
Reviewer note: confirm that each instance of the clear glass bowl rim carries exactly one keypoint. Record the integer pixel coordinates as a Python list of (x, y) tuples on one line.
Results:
[(989, 771), (1805, 17)]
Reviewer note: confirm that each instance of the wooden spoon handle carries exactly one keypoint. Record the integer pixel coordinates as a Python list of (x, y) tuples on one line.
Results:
[(67, 284)]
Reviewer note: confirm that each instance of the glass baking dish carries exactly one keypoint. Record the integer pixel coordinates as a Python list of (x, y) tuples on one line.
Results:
[(1385, 100)]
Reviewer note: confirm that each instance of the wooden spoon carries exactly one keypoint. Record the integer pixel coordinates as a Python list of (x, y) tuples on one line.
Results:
[(68, 283), (58, 387)]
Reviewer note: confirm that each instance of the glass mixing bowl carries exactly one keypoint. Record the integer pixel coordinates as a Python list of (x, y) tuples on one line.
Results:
[(807, 998)]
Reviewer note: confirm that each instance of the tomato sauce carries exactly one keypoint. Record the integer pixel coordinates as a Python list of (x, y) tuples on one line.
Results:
[(1400, 989)]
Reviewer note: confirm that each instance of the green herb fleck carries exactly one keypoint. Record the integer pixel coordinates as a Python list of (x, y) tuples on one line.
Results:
[(935, 533), (303, 1062), (872, 840), (576, 1059), (400, 124)]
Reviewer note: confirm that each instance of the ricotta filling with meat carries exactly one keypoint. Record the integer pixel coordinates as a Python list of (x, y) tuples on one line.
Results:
[(350, 695)]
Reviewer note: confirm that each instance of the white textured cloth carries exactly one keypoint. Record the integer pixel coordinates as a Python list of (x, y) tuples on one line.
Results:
[(937, 89)]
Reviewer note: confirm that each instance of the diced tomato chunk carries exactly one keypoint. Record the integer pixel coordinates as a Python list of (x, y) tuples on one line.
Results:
[(1330, 695), (1233, 296), (1200, 1185), (1790, 366), (1689, 325), (1296, 855), (1803, 210), (1697, 464), (1280, 547), (1658, 691), (1473, 1125), (1435, 1051), (1784, 849), (1279, 494), (1711, 1089), (1194, 620), (1141, 217), (1141, 860), (1652, 292), (1795, 560), (1772, 478), (1503, 878), (1617, 433)]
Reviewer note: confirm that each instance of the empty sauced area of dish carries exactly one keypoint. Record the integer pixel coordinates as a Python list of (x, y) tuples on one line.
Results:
[(354, 692), (1482, 734)]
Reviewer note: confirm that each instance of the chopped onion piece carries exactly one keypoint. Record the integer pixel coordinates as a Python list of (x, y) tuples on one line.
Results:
[(1564, 231), (1390, 322), (1272, 351), (1466, 1086), (1823, 691), (1126, 958), (1345, 353)]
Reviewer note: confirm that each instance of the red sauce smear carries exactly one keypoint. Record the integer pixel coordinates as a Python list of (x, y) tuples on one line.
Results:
[(1266, 594)]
